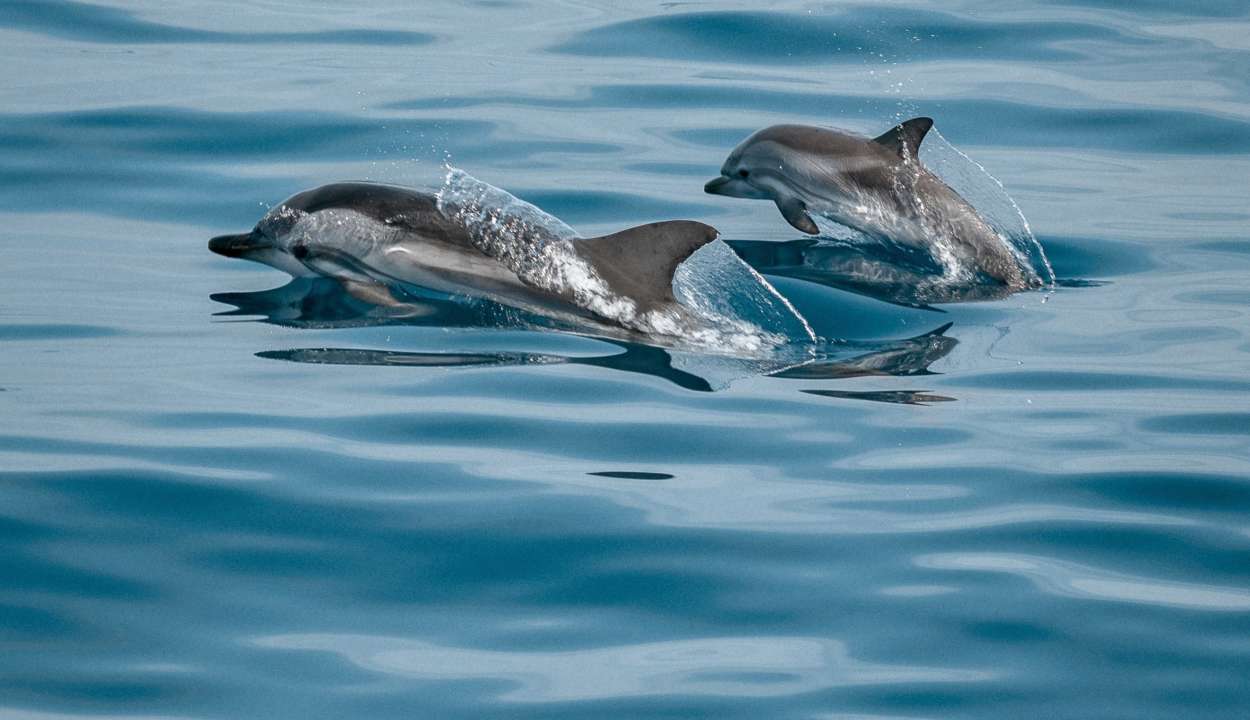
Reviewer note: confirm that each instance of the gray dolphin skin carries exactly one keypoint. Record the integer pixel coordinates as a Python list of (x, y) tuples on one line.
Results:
[(877, 186), (371, 236)]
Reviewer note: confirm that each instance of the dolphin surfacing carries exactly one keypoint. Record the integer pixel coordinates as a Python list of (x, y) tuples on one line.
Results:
[(370, 237), (877, 186)]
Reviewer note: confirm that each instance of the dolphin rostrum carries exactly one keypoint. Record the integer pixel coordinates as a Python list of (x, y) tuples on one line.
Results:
[(371, 237), (876, 186)]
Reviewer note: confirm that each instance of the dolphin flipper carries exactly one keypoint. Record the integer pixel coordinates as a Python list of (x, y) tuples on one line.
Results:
[(905, 138), (639, 263), (795, 213)]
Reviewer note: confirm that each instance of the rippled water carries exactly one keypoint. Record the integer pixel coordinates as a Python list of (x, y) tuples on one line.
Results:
[(274, 504)]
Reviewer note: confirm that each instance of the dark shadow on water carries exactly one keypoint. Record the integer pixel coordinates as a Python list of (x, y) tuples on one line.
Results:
[(1081, 257), (631, 475), (324, 304), (898, 397), (635, 358)]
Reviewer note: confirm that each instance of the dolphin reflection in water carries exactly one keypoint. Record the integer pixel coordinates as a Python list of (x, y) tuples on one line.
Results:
[(889, 273), (321, 303)]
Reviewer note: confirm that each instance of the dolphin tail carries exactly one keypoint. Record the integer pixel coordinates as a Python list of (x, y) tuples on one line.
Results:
[(639, 263)]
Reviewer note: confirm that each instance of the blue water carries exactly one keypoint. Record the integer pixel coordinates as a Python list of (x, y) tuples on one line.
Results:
[(272, 504)]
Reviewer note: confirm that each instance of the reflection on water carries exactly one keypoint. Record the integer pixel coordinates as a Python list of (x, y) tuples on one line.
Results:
[(910, 356), (322, 303), (900, 397), (886, 272), (316, 303)]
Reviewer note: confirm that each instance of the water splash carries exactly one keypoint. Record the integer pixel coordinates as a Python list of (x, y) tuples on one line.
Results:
[(725, 306), (988, 195), (715, 282)]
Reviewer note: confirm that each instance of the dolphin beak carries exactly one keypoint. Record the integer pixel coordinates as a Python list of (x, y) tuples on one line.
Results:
[(237, 245), (716, 186), (735, 187)]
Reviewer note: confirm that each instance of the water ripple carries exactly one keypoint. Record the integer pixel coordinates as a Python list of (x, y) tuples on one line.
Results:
[(1017, 123), (744, 667), (98, 24), (851, 35), (1080, 581)]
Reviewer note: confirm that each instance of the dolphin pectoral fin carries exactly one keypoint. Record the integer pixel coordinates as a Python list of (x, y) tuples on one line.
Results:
[(904, 139), (639, 263), (795, 213)]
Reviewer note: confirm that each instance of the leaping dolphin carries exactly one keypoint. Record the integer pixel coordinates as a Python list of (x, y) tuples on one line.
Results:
[(877, 186), (370, 237)]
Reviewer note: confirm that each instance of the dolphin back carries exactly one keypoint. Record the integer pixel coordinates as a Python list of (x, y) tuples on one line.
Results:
[(374, 199), (639, 263), (407, 208)]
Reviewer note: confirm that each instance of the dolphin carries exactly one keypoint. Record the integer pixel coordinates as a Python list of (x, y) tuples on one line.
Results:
[(877, 186), (372, 238)]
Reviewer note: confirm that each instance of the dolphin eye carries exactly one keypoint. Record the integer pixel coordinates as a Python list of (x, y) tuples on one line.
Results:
[(300, 251), (743, 173)]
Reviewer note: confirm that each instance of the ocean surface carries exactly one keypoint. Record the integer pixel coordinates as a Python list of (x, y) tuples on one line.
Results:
[(227, 495)]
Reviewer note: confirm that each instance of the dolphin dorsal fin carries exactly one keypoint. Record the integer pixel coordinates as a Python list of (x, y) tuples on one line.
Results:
[(905, 139), (639, 263)]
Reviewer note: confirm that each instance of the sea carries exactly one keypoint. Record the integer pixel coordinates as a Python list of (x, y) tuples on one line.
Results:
[(225, 493)]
